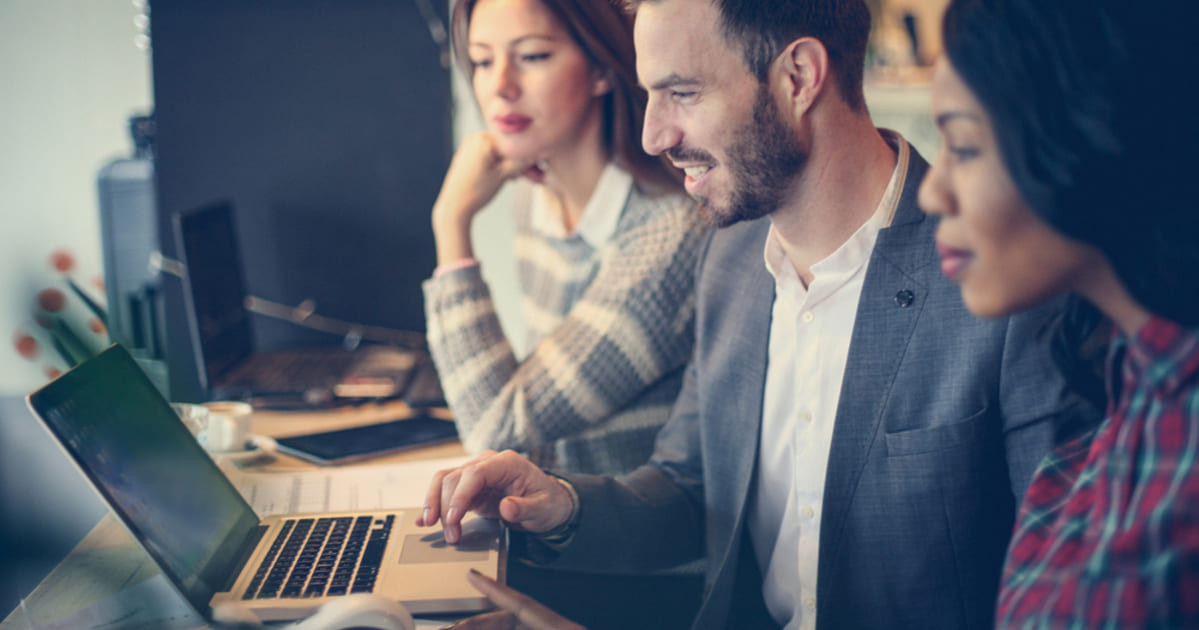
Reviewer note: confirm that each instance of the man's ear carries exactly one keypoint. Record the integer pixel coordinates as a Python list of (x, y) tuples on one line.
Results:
[(802, 71)]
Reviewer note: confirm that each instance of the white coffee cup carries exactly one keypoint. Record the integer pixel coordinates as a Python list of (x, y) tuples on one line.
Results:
[(228, 426), (194, 417)]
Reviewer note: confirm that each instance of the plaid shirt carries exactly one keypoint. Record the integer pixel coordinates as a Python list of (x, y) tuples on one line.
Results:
[(1108, 535)]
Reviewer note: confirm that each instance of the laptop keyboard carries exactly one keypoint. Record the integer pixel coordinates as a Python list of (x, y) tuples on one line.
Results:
[(314, 557)]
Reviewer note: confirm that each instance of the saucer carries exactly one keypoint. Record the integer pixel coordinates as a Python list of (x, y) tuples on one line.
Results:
[(256, 446)]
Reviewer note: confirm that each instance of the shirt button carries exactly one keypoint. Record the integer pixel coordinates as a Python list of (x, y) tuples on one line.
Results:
[(808, 512), (807, 317), (810, 603), (806, 416)]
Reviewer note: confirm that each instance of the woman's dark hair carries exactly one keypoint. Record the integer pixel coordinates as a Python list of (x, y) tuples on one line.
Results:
[(1094, 127), (1077, 339), (604, 31)]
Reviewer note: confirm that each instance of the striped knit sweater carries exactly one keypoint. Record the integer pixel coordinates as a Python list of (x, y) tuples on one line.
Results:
[(612, 328)]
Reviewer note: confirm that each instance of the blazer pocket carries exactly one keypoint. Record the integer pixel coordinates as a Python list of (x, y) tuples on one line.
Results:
[(938, 438)]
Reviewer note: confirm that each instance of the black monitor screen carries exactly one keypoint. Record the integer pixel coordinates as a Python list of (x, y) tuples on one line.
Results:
[(214, 288)]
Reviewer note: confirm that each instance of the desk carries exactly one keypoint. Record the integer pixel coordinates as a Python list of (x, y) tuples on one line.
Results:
[(283, 424), (107, 560)]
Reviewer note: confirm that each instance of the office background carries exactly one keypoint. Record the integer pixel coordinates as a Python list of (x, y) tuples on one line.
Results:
[(71, 76)]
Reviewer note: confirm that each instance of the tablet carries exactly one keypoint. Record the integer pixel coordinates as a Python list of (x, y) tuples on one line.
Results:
[(372, 440)]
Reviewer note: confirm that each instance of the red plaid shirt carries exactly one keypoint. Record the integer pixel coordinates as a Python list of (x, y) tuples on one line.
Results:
[(1108, 534)]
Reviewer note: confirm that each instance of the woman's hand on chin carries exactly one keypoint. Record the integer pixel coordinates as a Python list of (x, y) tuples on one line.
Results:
[(476, 173)]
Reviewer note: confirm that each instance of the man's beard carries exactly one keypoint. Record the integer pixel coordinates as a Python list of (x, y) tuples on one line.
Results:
[(763, 161)]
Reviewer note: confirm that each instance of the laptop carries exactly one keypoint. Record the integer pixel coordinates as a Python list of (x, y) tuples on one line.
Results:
[(219, 326), (209, 543)]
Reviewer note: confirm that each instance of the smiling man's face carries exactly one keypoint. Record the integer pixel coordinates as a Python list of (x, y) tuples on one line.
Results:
[(709, 114)]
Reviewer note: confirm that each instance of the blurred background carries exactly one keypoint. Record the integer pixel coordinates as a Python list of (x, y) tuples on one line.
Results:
[(72, 74)]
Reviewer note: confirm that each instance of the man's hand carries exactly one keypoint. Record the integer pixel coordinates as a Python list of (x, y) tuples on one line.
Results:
[(497, 485), (517, 611)]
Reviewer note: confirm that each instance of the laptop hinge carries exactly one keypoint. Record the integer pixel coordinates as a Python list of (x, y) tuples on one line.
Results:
[(243, 556)]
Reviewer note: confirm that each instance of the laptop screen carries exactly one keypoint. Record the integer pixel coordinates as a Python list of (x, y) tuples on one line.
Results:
[(214, 288), (154, 475)]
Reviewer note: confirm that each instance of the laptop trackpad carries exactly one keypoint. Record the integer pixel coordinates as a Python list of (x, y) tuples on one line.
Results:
[(478, 539)]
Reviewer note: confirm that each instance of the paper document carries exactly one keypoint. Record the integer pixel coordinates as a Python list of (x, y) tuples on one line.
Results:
[(339, 489)]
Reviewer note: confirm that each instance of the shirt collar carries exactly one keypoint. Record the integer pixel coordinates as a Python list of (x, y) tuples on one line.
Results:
[(856, 250), (1162, 355), (601, 215)]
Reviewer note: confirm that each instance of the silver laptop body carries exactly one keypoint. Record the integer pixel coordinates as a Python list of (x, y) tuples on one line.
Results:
[(177, 504)]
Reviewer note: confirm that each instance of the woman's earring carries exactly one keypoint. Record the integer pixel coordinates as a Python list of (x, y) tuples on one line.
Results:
[(603, 84)]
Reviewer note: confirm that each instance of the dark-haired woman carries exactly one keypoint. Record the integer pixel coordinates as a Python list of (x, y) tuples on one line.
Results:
[(1068, 161)]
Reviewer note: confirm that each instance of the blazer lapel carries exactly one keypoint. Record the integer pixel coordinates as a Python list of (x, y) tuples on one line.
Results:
[(893, 297), (740, 329), (738, 437)]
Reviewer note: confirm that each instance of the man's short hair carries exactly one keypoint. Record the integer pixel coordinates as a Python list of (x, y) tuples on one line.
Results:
[(760, 29)]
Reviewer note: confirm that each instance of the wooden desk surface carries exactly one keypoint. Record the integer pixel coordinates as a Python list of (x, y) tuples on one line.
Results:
[(108, 560), (284, 424)]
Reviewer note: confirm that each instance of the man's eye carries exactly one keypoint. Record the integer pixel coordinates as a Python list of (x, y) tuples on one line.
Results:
[(682, 95)]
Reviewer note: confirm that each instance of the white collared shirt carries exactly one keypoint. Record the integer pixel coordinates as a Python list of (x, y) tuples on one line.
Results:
[(810, 330), (597, 226), (600, 217)]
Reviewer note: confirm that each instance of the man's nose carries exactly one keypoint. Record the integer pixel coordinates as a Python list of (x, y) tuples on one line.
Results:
[(660, 132)]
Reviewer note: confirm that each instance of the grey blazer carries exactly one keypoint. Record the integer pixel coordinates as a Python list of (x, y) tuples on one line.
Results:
[(942, 419)]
